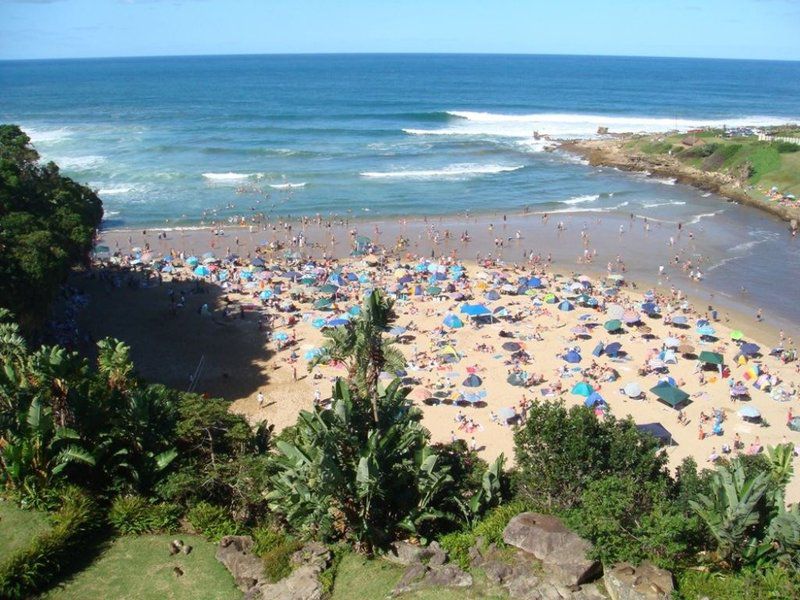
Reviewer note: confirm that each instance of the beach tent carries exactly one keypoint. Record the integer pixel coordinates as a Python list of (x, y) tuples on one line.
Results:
[(433, 290), (613, 349), (323, 304), (453, 321), (706, 330), (566, 306), (670, 395), (516, 379), (599, 349), (749, 412), (794, 424), (572, 357), (201, 271), (658, 431), (712, 358), (594, 399), (472, 381), (475, 310), (507, 413), (632, 390), (265, 295), (582, 389), (511, 346), (613, 325), (669, 358), (192, 261)]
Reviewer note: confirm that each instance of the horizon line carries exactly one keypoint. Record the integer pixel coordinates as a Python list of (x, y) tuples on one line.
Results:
[(405, 53)]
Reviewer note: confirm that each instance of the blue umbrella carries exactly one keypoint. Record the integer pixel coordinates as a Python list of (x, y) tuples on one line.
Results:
[(475, 310), (613, 349), (592, 399), (354, 310), (257, 262), (749, 349), (680, 320), (472, 381), (318, 322), (453, 321), (337, 322), (397, 331), (192, 261), (534, 282), (649, 308), (572, 357), (201, 271), (566, 306), (706, 330), (492, 295), (749, 412), (281, 336), (265, 295)]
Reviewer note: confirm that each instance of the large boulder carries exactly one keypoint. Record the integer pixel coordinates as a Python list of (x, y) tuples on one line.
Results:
[(420, 576), (236, 553), (406, 553), (303, 583), (645, 582), (561, 550)]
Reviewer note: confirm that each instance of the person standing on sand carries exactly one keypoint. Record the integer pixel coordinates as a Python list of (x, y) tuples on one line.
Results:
[(260, 399)]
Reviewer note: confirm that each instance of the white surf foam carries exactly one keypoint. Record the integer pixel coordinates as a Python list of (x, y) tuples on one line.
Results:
[(229, 176), (697, 218), (110, 213), (450, 172), (570, 125), (287, 186), (581, 199), (47, 136), (664, 181), (79, 163), (583, 209), (670, 203), (115, 190)]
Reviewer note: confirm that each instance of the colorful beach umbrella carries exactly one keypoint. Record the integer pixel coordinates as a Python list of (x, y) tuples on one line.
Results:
[(582, 389), (613, 325)]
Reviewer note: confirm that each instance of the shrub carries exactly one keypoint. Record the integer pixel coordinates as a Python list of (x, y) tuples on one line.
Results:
[(701, 151), (786, 147), (328, 577), (457, 545), (275, 547), (132, 515), (213, 522), (31, 569)]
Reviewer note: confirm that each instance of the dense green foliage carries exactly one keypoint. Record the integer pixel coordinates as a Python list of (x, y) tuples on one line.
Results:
[(276, 548), (134, 515), (47, 224), (212, 521), (32, 568)]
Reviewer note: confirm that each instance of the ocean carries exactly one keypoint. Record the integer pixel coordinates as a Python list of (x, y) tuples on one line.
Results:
[(184, 140)]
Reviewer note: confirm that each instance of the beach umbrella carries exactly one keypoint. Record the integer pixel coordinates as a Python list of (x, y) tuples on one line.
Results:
[(649, 308), (475, 310), (749, 412), (291, 275), (713, 358), (434, 290), (397, 331), (534, 282), (582, 389), (328, 288), (453, 321), (472, 381), (201, 271), (704, 330), (318, 322), (500, 311), (420, 393), (736, 335), (507, 413), (516, 379), (593, 399), (192, 261), (670, 395), (265, 295), (672, 342), (354, 310), (323, 303), (680, 320), (613, 325), (572, 357), (338, 322), (749, 349), (492, 295), (615, 311), (657, 363), (794, 424), (630, 317), (613, 349), (550, 298), (739, 390), (281, 336), (511, 346), (566, 306), (257, 262), (632, 390)]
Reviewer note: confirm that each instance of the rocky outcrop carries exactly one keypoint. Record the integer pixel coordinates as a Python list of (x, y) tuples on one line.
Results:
[(235, 552), (645, 582), (405, 553), (563, 552), (427, 567)]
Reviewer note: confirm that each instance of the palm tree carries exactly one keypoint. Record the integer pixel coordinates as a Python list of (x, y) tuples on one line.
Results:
[(361, 346), (114, 362)]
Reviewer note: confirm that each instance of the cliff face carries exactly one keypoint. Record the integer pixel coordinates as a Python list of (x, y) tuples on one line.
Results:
[(614, 153)]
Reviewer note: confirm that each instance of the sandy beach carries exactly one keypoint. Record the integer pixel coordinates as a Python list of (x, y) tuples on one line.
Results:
[(246, 348)]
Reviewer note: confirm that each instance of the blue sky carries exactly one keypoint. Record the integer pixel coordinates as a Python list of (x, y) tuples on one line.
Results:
[(763, 29)]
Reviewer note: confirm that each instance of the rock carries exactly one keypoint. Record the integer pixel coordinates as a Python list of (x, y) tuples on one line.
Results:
[(418, 576), (303, 583), (562, 551), (411, 577), (235, 552), (405, 553), (645, 582)]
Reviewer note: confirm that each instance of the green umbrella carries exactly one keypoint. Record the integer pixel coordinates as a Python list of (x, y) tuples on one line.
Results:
[(329, 288), (308, 280), (736, 335), (434, 290), (613, 325), (713, 358), (323, 303), (670, 394)]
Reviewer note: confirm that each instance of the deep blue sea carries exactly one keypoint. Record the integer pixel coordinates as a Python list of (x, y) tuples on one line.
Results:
[(184, 139)]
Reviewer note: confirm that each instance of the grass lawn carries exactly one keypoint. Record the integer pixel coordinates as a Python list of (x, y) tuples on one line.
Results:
[(362, 579), (18, 527), (140, 567)]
